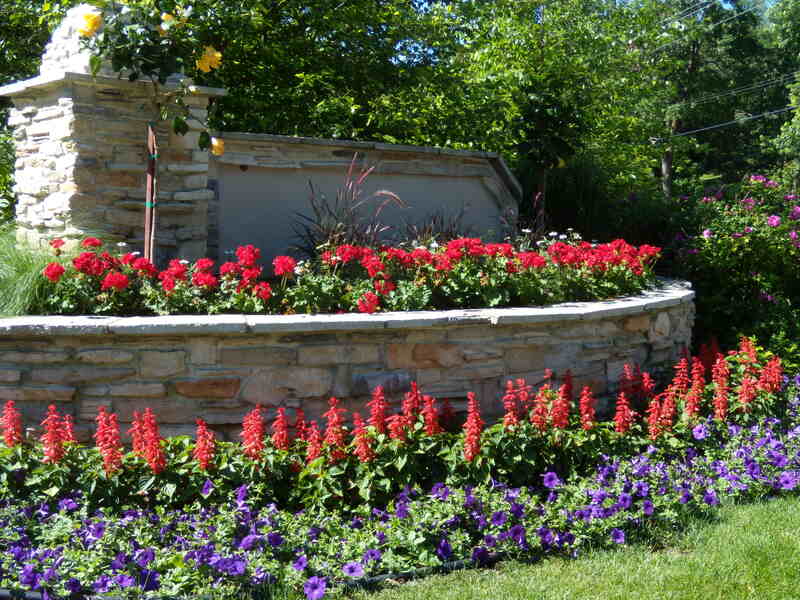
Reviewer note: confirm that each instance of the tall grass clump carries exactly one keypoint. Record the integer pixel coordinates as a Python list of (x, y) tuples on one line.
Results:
[(22, 287)]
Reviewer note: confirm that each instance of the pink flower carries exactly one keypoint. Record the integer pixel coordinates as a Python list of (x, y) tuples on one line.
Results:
[(708, 234), (773, 220)]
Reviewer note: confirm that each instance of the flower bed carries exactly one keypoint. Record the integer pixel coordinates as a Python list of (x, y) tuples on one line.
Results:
[(179, 517), (466, 273)]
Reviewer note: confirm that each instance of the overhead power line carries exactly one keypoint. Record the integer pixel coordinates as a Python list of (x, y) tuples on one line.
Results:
[(727, 123), (686, 12), (745, 89), (710, 27)]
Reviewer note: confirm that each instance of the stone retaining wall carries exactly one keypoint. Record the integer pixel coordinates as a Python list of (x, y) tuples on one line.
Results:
[(219, 367)]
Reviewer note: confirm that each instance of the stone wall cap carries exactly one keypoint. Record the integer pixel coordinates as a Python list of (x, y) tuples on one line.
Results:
[(666, 295), (50, 80)]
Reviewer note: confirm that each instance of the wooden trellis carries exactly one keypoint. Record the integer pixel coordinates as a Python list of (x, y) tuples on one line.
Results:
[(151, 195)]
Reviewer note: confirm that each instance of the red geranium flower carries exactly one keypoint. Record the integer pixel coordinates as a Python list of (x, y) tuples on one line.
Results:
[(263, 290), (91, 242), (368, 303), (203, 264), (53, 272), (115, 280), (204, 279), (284, 266), (248, 255), (145, 267), (56, 243)]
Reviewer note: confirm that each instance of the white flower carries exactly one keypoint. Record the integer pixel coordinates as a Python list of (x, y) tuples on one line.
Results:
[(562, 237), (183, 261), (526, 230), (553, 234)]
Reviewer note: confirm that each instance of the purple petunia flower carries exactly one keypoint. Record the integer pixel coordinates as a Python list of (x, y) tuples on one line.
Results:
[(372, 555), (700, 432), (401, 512), (274, 538), (314, 588), (124, 580), (480, 555), (145, 557), (647, 507), (102, 584), (443, 549), (551, 480), (499, 518), (440, 491), (208, 486), (73, 585), (617, 536), (788, 480), (241, 494), (250, 541), (353, 569), (301, 563), (29, 576), (67, 504), (710, 498)]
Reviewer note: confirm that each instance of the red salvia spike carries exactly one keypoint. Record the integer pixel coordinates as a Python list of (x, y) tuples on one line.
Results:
[(253, 433), (280, 430), (624, 416), (53, 436), (559, 413), (587, 408), (153, 452), (719, 375), (363, 445), (378, 410), (300, 424), (314, 442), (541, 408), (511, 417), (472, 428), (334, 432), (654, 418), (431, 416), (11, 424), (204, 445)]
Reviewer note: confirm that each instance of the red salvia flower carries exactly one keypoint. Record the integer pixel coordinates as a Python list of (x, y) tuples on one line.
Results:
[(559, 414), (648, 386), (709, 352), (511, 417), (587, 408), (624, 415), (378, 409), (447, 415), (314, 439), (719, 375), (695, 395), (253, 429), (412, 403), (747, 393), (749, 356), (472, 428), (397, 427), (681, 380), (364, 450), (569, 389), (541, 408), (668, 409), (523, 395), (53, 436), (11, 424), (153, 452), (280, 430), (204, 445), (300, 428), (770, 379), (137, 435), (431, 416), (335, 437), (69, 429), (654, 418), (108, 442)]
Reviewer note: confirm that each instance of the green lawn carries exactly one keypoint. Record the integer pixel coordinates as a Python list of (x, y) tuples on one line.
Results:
[(752, 551)]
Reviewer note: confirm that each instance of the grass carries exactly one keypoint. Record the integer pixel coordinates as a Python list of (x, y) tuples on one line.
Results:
[(21, 283), (751, 551)]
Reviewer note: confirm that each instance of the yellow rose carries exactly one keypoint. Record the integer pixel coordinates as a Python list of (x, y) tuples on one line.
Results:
[(217, 146), (211, 59), (91, 23)]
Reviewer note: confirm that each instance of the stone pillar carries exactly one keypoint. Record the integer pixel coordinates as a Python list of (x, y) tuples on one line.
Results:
[(81, 154)]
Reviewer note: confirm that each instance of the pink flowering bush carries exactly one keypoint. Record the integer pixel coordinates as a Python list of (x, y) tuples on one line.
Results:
[(742, 259), (465, 273)]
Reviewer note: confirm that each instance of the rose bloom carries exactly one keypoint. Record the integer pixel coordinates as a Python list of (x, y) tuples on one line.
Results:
[(91, 242), (284, 265), (53, 272), (114, 280)]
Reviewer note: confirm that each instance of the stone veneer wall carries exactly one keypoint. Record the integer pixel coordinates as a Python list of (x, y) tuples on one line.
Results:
[(81, 154), (219, 367)]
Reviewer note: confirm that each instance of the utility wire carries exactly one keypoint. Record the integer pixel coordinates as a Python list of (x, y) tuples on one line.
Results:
[(753, 87), (682, 14), (727, 123), (710, 27)]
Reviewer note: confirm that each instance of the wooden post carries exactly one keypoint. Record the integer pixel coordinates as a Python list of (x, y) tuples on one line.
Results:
[(151, 194)]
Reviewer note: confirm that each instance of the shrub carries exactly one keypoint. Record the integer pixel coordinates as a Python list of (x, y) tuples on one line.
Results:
[(742, 259)]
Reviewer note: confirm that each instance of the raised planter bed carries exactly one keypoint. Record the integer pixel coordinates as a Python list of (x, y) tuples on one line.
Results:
[(218, 367)]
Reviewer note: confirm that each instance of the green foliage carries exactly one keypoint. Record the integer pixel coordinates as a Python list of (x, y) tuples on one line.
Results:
[(22, 287)]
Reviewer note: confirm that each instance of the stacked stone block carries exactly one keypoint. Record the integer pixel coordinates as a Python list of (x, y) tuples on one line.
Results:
[(220, 367)]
